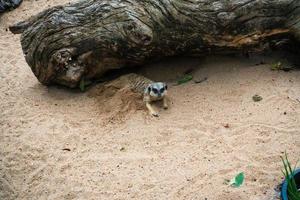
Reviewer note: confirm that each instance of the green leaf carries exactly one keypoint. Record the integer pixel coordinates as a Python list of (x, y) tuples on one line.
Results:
[(293, 193), (185, 79), (82, 85), (238, 180), (276, 66), (279, 66)]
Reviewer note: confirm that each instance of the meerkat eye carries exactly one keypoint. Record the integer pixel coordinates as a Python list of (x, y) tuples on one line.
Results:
[(162, 90), (155, 91)]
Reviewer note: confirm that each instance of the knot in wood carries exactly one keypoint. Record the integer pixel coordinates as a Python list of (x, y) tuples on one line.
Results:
[(62, 56), (139, 33)]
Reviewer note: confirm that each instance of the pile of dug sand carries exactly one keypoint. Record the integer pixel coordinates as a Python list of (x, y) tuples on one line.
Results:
[(118, 99)]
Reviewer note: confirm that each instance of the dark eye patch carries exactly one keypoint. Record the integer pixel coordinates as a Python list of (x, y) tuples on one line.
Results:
[(155, 91), (162, 90)]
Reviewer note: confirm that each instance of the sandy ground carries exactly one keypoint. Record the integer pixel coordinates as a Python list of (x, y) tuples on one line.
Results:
[(62, 144)]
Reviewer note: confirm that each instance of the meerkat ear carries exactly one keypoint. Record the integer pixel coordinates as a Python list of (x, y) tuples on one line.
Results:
[(166, 86), (149, 89)]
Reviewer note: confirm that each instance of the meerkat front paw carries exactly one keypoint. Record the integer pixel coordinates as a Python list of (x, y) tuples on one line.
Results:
[(155, 114), (165, 103)]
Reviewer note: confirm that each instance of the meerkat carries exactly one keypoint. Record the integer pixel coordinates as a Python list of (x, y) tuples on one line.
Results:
[(150, 90), (156, 91)]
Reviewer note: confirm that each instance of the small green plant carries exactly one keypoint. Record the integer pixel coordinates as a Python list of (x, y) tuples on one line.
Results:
[(83, 84), (276, 66), (293, 193), (236, 181), (279, 66), (185, 79)]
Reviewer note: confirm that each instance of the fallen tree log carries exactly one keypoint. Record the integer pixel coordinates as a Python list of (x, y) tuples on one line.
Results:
[(66, 44), (6, 5)]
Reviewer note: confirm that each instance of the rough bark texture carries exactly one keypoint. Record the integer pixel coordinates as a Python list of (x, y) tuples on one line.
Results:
[(66, 44)]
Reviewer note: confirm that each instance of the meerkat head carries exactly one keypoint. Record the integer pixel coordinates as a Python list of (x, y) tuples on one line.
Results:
[(157, 89)]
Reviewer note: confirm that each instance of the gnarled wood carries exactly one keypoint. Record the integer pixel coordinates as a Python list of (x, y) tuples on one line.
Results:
[(65, 44)]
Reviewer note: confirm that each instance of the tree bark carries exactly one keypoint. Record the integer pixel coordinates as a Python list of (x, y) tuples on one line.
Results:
[(66, 44)]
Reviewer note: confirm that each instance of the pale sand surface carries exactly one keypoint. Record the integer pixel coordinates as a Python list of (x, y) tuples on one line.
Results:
[(118, 152)]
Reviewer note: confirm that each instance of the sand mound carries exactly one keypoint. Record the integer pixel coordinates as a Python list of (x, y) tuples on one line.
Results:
[(116, 101)]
